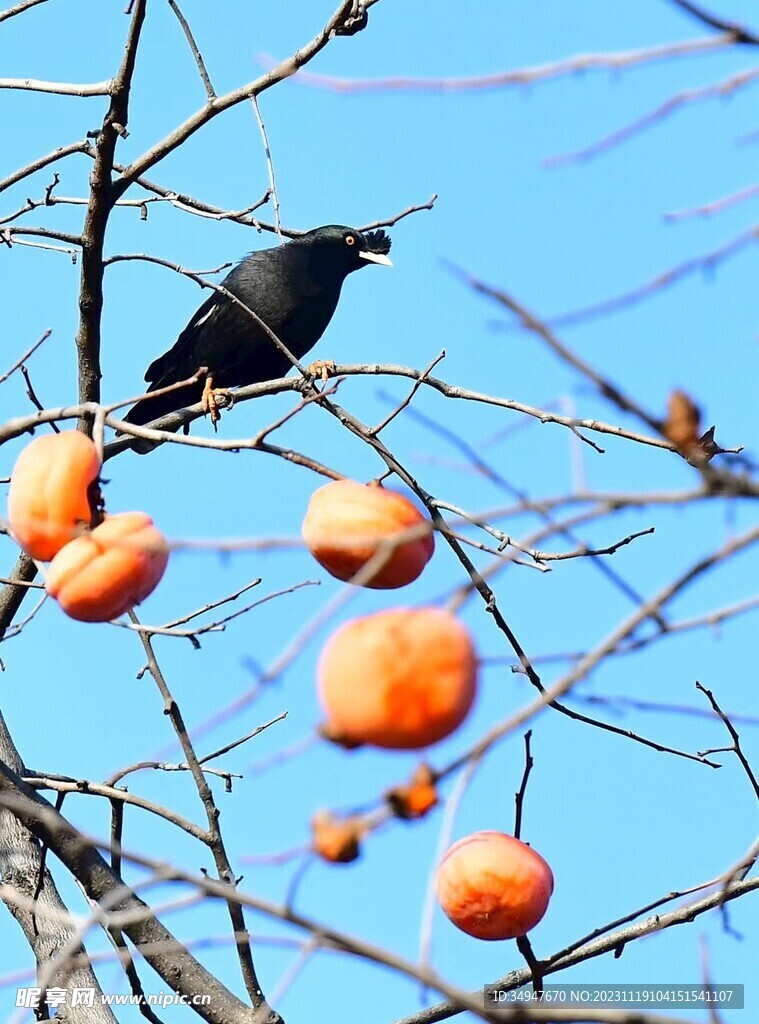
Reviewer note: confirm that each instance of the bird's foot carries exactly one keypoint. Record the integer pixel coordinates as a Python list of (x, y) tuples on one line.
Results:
[(322, 369), (215, 399)]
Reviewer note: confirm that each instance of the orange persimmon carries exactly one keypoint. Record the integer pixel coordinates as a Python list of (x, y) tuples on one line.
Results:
[(347, 524), (493, 886), (400, 679), (103, 573), (51, 494), (336, 841), (416, 798)]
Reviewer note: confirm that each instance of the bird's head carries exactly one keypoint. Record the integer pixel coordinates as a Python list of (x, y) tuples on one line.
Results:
[(346, 249)]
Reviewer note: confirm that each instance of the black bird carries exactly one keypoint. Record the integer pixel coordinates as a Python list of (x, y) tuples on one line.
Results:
[(294, 289)]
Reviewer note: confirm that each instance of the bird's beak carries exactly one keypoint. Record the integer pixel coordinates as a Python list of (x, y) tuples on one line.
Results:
[(376, 257)]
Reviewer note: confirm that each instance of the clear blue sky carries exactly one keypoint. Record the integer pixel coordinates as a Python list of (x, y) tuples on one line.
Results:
[(620, 824)]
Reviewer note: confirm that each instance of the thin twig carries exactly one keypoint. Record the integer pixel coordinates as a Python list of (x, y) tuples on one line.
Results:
[(202, 70), (694, 264), (25, 5), (243, 739), (734, 736), (658, 114), (214, 604), (542, 330), (32, 394), (269, 167), (715, 206), (739, 32), (20, 362), (36, 165), (84, 787), (593, 658), (374, 431), (400, 216), (214, 839), (520, 793), (219, 104)]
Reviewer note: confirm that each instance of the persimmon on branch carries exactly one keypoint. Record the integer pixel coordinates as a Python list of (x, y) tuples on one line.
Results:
[(584, 663), (45, 820), (606, 943)]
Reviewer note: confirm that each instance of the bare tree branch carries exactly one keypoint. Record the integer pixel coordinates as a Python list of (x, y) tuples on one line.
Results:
[(739, 32), (59, 88), (44, 161), (29, 352), (715, 206), (178, 969), (609, 943), (531, 323), (102, 197), (214, 839), (221, 103), (693, 265), (25, 5), (735, 738), (202, 70), (40, 912), (681, 99), (614, 61)]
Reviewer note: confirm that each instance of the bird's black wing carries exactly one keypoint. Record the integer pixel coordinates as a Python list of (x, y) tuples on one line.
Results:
[(221, 334), (192, 348)]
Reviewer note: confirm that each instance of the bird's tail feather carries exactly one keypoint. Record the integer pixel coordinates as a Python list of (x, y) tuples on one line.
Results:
[(150, 409)]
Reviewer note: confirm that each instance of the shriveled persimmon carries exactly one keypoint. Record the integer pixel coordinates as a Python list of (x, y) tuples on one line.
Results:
[(400, 679), (493, 886), (334, 840), (417, 797), (53, 491), (105, 572), (348, 524)]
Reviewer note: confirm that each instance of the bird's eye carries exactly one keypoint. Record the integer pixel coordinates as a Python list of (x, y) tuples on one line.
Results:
[(350, 239)]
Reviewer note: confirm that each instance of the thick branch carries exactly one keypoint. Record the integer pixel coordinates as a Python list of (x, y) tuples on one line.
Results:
[(165, 954), (100, 204), (39, 909)]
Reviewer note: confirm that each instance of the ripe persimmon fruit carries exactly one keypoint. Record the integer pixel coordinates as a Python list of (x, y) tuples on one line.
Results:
[(107, 571), (52, 493), (348, 523), (401, 679), (493, 886)]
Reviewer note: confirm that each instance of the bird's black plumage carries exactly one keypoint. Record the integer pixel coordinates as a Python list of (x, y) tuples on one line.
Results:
[(294, 288)]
